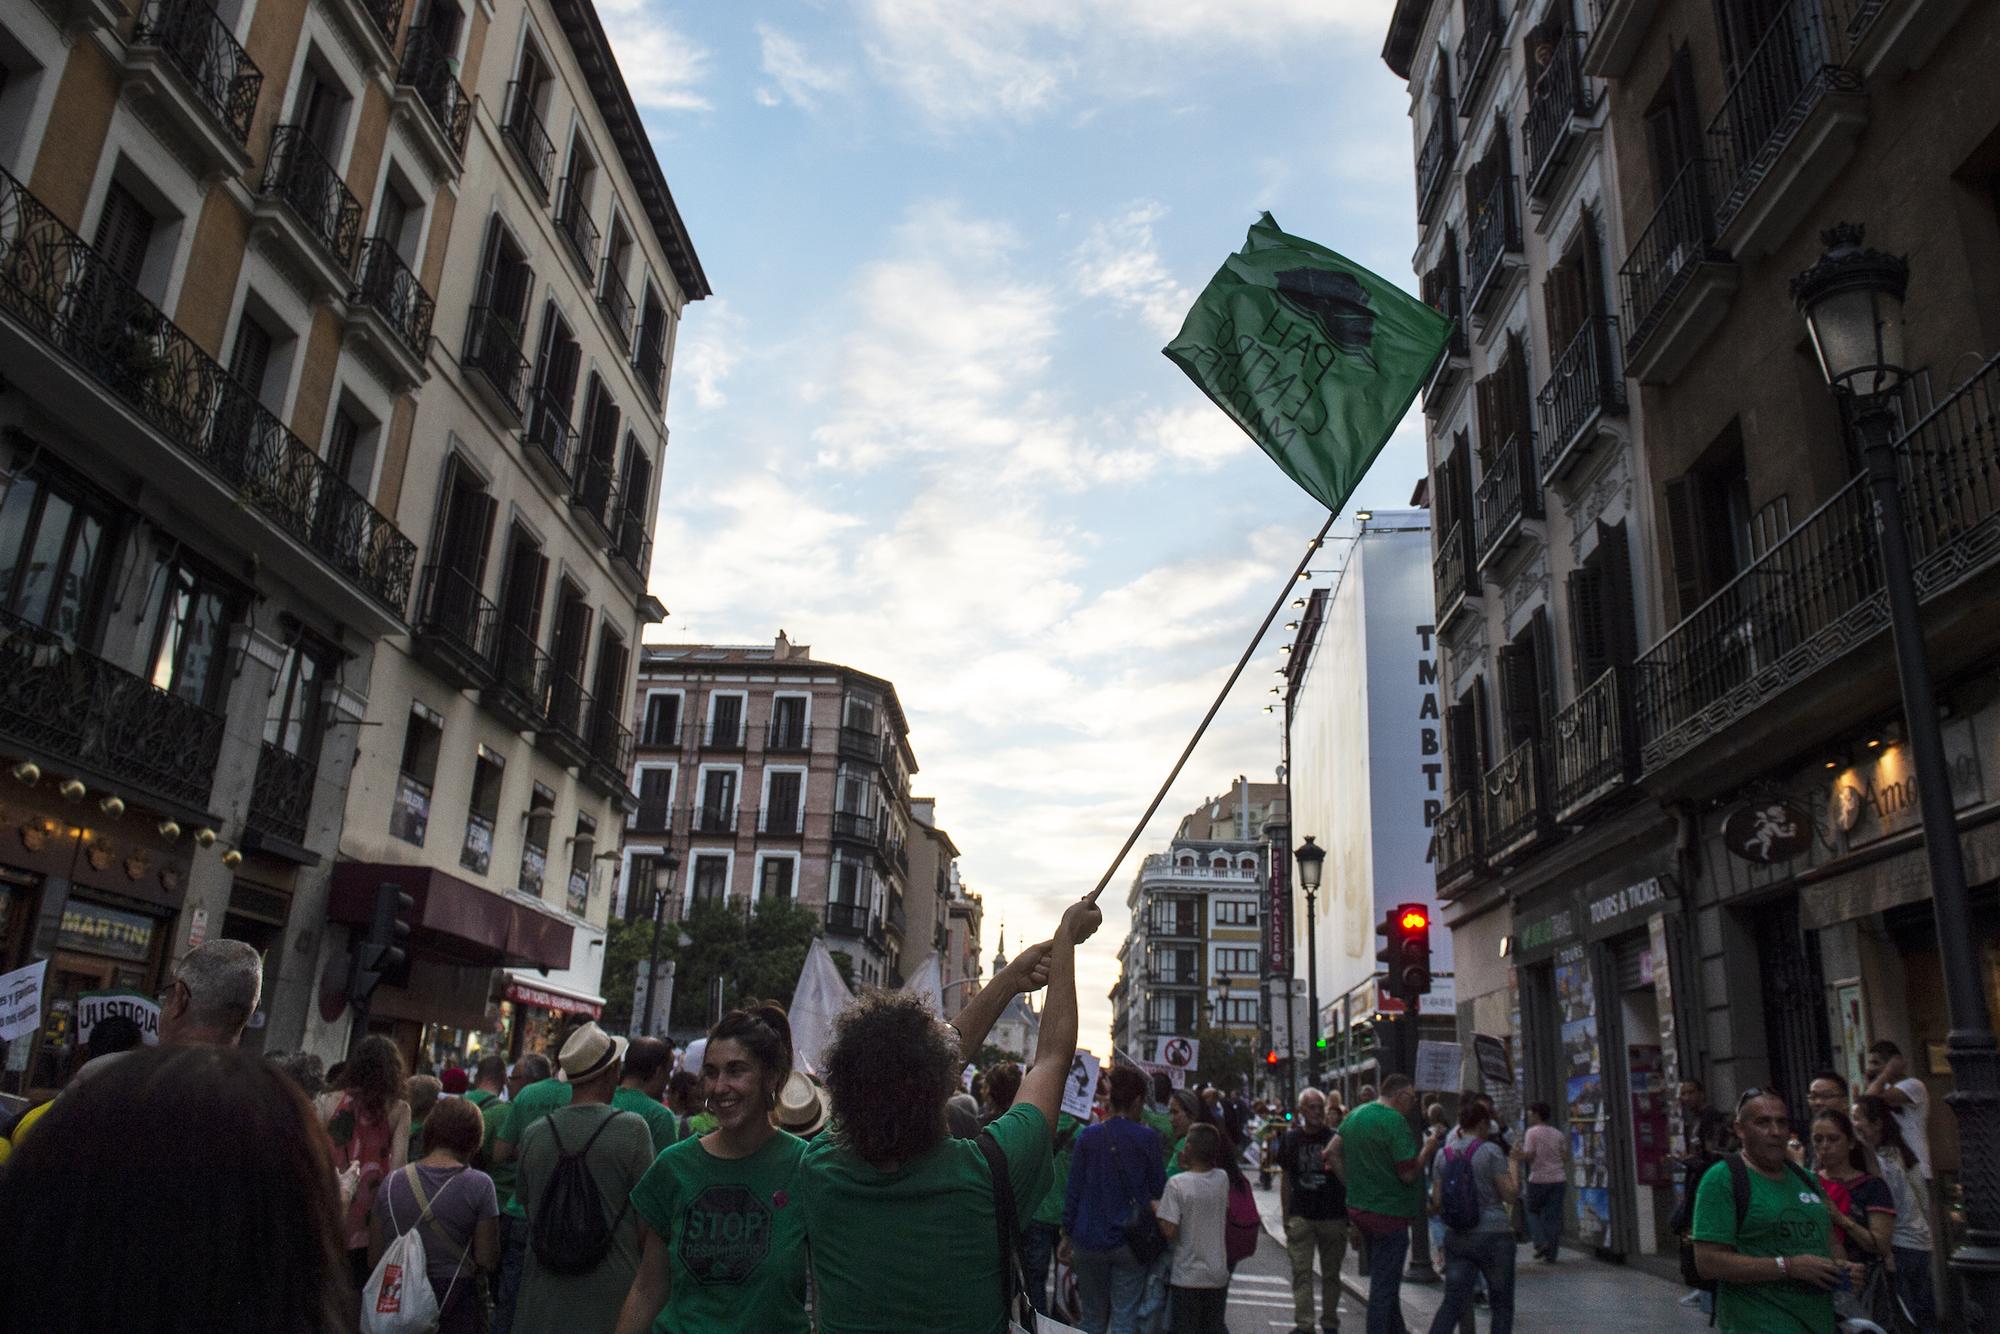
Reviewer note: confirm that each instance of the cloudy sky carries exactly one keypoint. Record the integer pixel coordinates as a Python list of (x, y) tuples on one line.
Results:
[(925, 426)]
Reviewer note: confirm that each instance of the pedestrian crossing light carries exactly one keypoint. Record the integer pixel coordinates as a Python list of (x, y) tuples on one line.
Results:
[(1405, 954)]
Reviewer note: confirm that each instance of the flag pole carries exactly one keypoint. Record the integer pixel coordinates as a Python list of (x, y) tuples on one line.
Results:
[(1214, 708)]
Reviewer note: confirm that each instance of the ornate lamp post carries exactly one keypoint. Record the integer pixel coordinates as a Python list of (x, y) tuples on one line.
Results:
[(1311, 858), (1852, 301), (663, 884)]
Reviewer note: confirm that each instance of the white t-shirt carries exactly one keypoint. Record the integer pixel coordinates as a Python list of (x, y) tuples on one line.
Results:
[(1914, 1122), (1198, 1203)]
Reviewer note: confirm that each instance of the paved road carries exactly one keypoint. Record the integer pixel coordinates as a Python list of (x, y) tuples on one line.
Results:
[(1260, 1294)]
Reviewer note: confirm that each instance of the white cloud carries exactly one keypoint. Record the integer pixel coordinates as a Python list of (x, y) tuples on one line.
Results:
[(662, 67), (1120, 261), (795, 76), (707, 351)]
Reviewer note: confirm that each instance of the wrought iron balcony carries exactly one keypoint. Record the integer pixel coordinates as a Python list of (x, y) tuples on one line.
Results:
[(1561, 95), (493, 348), (523, 128), (852, 828), (63, 292), (858, 743), (1483, 26), (1792, 67), (1508, 494), (281, 795), (592, 486), (385, 15), (565, 707), (610, 744), (551, 439), (1457, 832), (427, 71), (847, 919), (632, 542), (722, 734), (519, 669), (1434, 158), (653, 817), (455, 627), (387, 287), (787, 737), (1596, 746), (199, 47), (1586, 386), (1176, 926), (1454, 572), (649, 363), (298, 173), (616, 303), (70, 708), (781, 821), (1514, 814), (1617, 30), (1492, 232), (573, 221), (1676, 241), (1443, 293)]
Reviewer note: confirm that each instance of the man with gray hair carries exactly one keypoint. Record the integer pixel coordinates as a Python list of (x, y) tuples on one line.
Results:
[(1314, 1202), (214, 992)]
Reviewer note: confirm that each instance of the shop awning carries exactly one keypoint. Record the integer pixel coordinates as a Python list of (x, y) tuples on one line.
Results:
[(529, 989), (454, 920)]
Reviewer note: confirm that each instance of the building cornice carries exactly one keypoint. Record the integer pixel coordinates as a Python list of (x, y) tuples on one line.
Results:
[(1406, 25)]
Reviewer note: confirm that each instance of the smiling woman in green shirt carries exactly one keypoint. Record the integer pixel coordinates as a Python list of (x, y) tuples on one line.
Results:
[(724, 1238)]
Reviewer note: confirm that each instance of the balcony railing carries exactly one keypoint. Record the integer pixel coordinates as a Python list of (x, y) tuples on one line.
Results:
[(300, 174), (60, 288), (1680, 235), (610, 742), (1561, 94), (854, 828), (846, 919), (427, 69), (1510, 801), (1791, 68), (523, 128), (1483, 26), (1454, 571), (788, 738), (520, 667), (661, 733), (455, 625), (565, 705), (616, 303), (1434, 159), (653, 817), (387, 286), (549, 431), (649, 363), (782, 821), (69, 706), (723, 735), (200, 47), (1457, 832), (632, 542), (281, 795), (591, 487), (1508, 493), (573, 221), (493, 348), (1492, 229), (1585, 384), (1596, 746), (385, 14)]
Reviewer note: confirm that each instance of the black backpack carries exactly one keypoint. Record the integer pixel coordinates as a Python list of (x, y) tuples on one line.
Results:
[(569, 1229), (1682, 1222)]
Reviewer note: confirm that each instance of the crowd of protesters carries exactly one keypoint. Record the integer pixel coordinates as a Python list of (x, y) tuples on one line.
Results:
[(610, 1191)]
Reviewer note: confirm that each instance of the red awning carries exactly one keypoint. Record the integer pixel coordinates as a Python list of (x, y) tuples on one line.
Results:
[(454, 920), (526, 991)]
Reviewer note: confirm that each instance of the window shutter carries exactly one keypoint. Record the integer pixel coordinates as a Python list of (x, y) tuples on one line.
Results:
[(1461, 746), (1514, 385), (1589, 654), (251, 356), (1684, 544), (1486, 400), (489, 265), (1542, 644), (1620, 614), (1596, 300), (1519, 695), (124, 229), (1561, 299), (1482, 723)]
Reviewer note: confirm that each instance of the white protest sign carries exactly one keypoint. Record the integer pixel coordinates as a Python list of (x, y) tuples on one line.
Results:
[(1177, 1053), (142, 1010), (1438, 1066), (965, 1078), (1175, 1075), (21, 1000), (1081, 1089)]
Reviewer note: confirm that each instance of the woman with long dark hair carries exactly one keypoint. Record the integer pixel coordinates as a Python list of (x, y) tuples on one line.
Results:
[(238, 1230), (1864, 1213), (367, 1120), (1910, 1240), (724, 1239)]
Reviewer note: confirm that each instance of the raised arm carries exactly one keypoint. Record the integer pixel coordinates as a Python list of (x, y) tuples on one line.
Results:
[(1027, 971), (1042, 1086)]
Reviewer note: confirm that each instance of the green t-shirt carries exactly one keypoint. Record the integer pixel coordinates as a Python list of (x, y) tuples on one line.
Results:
[(1786, 1217), (1374, 1137), (734, 1234), (1163, 1123), (658, 1119), (1051, 1210), (535, 1102), (1174, 1156), (914, 1248)]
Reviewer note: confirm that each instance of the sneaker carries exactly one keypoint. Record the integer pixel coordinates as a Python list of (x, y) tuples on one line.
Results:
[(1693, 1298)]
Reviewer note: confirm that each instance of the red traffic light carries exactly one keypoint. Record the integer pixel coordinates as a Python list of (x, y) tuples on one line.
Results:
[(1271, 1057), (1413, 919)]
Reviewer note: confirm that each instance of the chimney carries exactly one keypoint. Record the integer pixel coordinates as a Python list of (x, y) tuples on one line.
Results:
[(1242, 807)]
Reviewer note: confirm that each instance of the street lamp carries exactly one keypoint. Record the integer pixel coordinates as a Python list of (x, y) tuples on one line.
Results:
[(663, 883), (1852, 301), (1311, 857)]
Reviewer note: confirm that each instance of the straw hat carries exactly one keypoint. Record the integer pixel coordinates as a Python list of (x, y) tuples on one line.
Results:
[(801, 1104), (589, 1050)]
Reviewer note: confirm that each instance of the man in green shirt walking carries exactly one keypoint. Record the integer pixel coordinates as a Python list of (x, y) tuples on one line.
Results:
[(648, 1061), (1773, 1268), (527, 1107), (1376, 1154)]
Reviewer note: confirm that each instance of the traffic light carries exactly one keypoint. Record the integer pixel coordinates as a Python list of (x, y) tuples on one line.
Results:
[(1405, 954), (1271, 1056), (384, 951)]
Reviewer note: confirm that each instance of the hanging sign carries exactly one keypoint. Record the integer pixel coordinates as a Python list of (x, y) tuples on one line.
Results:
[(1767, 831)]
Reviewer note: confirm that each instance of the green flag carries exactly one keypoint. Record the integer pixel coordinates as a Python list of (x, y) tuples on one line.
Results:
[(1313, 355)]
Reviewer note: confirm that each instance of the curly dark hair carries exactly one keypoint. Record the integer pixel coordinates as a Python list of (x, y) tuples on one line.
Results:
[(374, 1074), (890, 1068)]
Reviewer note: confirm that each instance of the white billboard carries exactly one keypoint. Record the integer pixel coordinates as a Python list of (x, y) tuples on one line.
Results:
[(1367, 749)]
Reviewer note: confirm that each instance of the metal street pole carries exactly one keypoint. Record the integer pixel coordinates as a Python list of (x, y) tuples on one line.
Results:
[(1969, 1045), (1312, 985), (653, 966)]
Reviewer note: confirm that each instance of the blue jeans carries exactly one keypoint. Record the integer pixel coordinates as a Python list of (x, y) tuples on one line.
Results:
[(1387, 1252), (513, 1258), (1544, 1208), (1038, 1252), (1109, 1285), (1467, 1256)]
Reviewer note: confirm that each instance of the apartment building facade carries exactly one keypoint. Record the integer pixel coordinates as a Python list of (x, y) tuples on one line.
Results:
[(771, 775), (963, 970), (206, 268), (1716, 869)]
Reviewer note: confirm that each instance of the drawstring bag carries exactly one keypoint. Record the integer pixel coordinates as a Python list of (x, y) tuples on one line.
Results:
[(399, 1298), (1022, 1318)]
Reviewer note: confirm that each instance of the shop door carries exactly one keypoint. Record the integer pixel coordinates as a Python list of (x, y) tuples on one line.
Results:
[(69, 977), (1796, 1035)]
